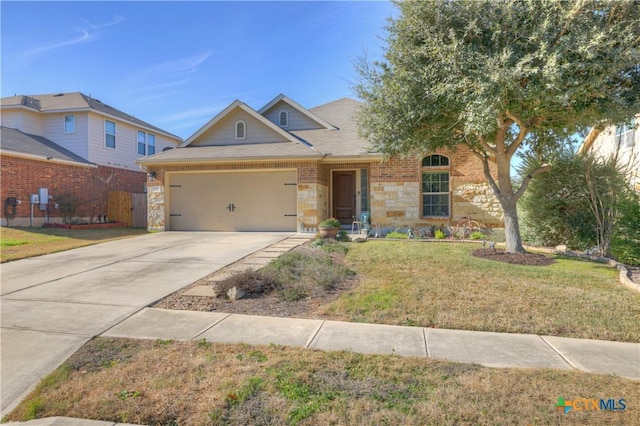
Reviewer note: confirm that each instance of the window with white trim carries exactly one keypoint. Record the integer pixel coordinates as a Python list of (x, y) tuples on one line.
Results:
[(241, 130), (109, 134), (625, 134), (146, 143), (436, 196), (284, 118), (69, 123)]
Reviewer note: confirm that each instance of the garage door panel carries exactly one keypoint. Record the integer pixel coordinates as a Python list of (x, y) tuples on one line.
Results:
[(261, 201)]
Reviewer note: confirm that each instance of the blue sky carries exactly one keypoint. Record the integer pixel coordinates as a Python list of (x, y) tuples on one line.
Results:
[(177, 64)]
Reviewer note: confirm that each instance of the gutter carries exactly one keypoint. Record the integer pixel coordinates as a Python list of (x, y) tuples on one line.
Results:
[(47, 159)]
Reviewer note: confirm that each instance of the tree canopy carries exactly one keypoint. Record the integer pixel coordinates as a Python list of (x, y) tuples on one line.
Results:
[(501, 76)]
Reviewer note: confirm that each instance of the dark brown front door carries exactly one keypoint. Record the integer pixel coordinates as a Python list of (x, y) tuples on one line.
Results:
[(344, 196)]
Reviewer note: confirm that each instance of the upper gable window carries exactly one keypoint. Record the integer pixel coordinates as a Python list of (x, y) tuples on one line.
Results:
[(283, 118), (146, 143), (69, 123), (241, 130), (109, 134)]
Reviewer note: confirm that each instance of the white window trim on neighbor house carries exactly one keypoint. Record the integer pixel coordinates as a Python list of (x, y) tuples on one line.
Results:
[(240, 124), (69, 123), (107, 134), (626, 134), (442, 188), (146, 141)]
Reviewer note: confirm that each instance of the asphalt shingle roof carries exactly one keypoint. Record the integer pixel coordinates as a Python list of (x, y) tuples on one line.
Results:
[(75, 101), (16, 141), (317, 143)]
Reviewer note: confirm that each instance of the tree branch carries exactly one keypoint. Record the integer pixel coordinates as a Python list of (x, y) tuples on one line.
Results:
[(487, 175), (485, 145), (589, 140), (525, 183), (511, 149)]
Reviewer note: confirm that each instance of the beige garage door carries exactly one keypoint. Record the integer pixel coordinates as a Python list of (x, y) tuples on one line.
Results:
[(233, 201)]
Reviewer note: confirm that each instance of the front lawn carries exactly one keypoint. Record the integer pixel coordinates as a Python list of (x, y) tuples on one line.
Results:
[(21, 243), (441, 285), (199, 383)]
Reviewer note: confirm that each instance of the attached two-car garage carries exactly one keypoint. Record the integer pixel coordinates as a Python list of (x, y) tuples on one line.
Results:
[(232, 201)]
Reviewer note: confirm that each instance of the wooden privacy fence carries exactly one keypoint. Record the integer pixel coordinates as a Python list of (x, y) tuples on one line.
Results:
[(128, 208)]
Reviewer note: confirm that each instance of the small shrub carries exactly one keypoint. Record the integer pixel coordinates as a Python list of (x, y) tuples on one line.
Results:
[(477, 235), (330, 223), (303, 272), (342, 236), (250, 282), (439, 235), (398, 235), (68, 207)]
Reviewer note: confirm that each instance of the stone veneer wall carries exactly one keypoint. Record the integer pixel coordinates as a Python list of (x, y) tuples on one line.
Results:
[(313, 202), (155, 208), (395, 192)]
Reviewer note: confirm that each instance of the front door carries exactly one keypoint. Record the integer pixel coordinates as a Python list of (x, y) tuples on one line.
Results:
[(344, 196)]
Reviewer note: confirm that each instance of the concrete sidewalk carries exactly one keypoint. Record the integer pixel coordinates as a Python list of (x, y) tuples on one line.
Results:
[(479, 347)]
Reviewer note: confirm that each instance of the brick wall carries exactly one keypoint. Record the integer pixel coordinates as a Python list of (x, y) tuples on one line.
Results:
[(22, 177)]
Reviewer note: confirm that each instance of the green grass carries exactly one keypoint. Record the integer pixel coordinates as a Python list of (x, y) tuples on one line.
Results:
[(21, 243), (442, 285), (293, 386)]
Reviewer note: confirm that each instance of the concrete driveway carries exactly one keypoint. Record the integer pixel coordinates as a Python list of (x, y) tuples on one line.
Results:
[(51, 305)]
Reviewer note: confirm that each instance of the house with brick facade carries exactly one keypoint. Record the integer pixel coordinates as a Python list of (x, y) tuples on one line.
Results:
[(74, 146), (286, 168)]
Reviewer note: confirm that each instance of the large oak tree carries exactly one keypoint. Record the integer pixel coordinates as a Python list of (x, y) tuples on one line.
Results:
[(502, 77)]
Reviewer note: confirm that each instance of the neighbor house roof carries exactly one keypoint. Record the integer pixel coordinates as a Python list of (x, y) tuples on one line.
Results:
[(75, 101), (17, 143), (338, 139)]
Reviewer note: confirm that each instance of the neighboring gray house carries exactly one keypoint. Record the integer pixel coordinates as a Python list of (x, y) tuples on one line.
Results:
[(87, 127), (74, 146)]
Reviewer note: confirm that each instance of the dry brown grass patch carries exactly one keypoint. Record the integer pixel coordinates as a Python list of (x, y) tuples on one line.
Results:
[(199, 383)]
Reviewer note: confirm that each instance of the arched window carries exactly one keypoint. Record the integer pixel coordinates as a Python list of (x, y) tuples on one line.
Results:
[(284, 118), (241, 130), (436, 196)]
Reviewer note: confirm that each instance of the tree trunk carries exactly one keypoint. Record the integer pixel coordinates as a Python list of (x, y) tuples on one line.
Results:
[(511, 226)]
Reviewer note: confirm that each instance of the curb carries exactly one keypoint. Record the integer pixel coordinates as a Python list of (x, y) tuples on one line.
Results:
[(625, 278)]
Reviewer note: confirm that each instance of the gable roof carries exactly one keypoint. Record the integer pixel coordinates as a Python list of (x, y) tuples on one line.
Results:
[(241, 105), (342, 142), (298, 107), (17, 143), (75, 101)]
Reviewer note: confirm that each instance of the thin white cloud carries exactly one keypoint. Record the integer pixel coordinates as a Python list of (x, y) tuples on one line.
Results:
[(83, 34), (163, 79), (202, 112)]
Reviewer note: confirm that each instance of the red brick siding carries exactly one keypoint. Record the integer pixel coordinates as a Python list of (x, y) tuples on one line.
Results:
[(465, 167), (22, 177)]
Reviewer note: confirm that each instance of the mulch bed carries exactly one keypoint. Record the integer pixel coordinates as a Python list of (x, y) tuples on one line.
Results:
[(513, 258)]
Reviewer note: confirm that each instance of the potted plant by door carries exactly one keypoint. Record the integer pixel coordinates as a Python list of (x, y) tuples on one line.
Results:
[(329, 228)]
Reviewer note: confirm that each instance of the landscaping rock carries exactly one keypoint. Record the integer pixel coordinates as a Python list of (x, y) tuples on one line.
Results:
[(235, 293)]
